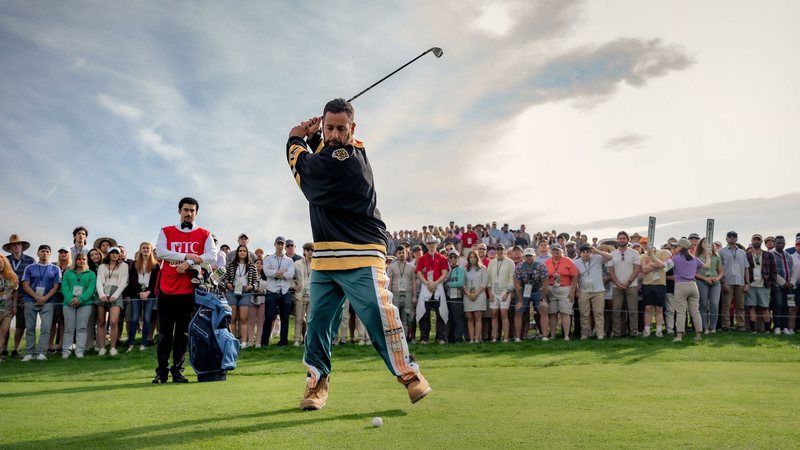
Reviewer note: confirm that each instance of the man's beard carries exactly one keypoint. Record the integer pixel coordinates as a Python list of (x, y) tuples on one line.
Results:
[(334, 143)]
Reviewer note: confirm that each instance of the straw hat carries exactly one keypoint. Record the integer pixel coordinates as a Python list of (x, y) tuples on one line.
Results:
[(16, 239), (99, 240)]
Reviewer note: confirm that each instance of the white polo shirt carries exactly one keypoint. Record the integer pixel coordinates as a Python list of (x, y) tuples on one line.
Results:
[(623, 263)]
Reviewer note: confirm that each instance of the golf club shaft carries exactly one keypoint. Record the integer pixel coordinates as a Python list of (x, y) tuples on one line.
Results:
[(397, 70)]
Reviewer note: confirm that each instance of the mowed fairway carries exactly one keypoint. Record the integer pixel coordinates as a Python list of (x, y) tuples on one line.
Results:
[(729, 390)]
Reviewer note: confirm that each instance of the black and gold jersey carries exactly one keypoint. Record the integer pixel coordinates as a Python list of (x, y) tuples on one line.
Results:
[(337, 182)]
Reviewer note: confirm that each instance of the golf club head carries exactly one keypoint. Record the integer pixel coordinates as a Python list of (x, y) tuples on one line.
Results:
[(437, 52)]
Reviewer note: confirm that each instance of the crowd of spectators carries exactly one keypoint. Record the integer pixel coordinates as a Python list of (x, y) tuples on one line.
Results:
[(481, 283)]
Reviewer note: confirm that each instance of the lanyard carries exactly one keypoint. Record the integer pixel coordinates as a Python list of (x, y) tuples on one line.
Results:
[(785, 265), (111, 271), (451, 277), (529, 271), (42, 273), (402, 270), (16, 266), (588, 268), (733, 254), (79, 275)]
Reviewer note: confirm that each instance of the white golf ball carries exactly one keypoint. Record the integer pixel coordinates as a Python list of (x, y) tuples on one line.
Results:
[(377, 421)]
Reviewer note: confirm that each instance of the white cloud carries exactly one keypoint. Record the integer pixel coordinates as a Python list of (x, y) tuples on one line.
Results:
[(118, 107), (153, 141)]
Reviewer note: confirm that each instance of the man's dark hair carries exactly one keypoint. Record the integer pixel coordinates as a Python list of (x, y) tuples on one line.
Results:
[(339, 105), (188, 201), (623, 233), (75, 231), (400, 248)]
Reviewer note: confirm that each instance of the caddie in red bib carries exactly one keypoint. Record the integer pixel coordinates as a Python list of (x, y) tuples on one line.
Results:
[(178, 248)]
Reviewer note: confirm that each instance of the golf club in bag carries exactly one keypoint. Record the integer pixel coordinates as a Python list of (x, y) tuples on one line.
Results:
[(213, 349)]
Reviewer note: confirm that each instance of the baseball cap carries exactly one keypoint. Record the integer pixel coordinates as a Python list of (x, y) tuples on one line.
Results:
[(517, 247), (529, 252), (453, 253), (644, 240), (555, 247), (694, 236), (756, 236), (44, 246), (499, 246), (289, 243), (280, 239), (769, 238), (732, 234), (797, 239), (243, 236), (570, 243), (63, 249), (431, 240), (683, 242), (114, 249)]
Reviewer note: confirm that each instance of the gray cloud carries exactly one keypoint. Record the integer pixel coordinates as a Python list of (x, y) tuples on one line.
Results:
[(624, 142), (768, 216)]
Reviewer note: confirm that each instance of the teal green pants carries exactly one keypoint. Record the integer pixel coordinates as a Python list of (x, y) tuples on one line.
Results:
[(366, 288)]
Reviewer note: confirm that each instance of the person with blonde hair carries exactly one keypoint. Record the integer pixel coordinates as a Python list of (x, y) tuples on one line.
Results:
[(476, 280), (142, 276), (709, 286), (9, 283)]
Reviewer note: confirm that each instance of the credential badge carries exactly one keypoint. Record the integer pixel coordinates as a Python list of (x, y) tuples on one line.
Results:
[(340, 154)]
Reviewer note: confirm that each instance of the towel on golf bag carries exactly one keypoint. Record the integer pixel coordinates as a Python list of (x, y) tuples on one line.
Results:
[(212, 346)]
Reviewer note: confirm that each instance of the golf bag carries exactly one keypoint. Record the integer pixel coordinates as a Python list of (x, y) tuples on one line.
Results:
[(213, 349)]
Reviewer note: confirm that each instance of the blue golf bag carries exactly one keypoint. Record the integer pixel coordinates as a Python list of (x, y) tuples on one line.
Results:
[(213, 349)]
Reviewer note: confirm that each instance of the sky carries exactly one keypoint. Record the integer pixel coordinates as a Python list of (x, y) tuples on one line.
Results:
[(560, 114)]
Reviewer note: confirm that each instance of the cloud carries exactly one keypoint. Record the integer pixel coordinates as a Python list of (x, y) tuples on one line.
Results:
[(771, 215), (591, 74), (152, 140), (118, 107), (625, 142)]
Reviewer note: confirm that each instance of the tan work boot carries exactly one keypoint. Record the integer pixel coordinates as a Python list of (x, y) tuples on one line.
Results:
[(417, 387), (314, 398)]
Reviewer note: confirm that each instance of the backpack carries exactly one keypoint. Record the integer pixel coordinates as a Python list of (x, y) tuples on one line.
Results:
[(213, 349)]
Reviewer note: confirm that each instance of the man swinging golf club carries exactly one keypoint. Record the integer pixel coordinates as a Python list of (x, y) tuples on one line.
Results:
[(349, 250)]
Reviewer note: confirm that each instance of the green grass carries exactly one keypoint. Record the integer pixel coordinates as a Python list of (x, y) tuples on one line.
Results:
[(729, 390)]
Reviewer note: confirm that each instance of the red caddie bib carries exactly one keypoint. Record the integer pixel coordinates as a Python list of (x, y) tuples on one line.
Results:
[(172, 282)]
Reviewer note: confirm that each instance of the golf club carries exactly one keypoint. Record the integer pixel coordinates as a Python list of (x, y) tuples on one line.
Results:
[(436, 51)]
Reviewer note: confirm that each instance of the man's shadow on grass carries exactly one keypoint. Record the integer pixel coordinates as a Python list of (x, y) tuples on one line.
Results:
[(78, 390), (162, 434)]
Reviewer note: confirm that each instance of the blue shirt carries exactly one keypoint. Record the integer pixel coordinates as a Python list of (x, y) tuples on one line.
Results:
[(41, 276), (19, 267)]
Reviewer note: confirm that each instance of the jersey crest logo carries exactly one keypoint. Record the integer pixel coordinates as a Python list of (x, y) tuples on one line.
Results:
[(340, 154)]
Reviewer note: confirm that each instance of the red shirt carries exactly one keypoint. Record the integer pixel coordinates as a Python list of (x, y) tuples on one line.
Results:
[(564, 267), (432, 265), (468, 238), (172, 282)]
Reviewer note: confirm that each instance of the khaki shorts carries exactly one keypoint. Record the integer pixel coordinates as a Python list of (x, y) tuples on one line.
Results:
[(496, 303), (559, 301)]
